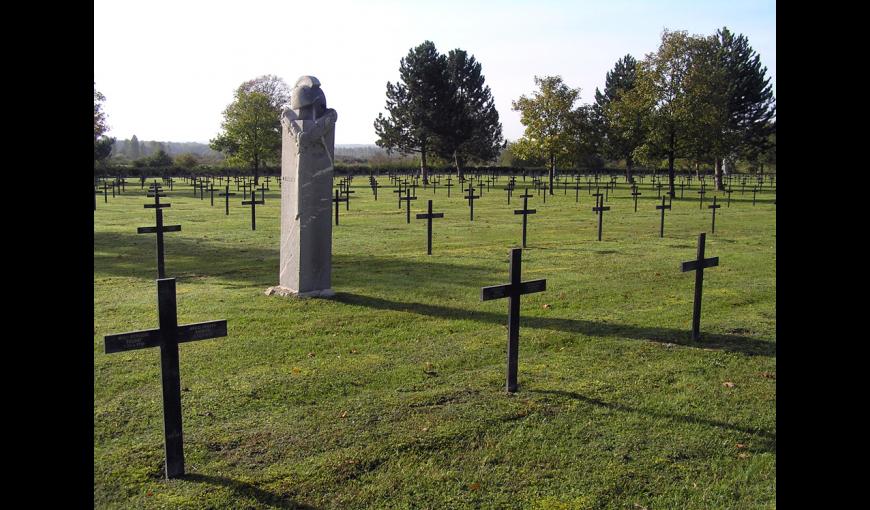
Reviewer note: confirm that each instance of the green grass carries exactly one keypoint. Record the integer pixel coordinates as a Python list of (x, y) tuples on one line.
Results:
[(391, 395)]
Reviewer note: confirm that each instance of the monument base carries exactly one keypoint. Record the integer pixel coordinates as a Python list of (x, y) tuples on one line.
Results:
[(286, 291)]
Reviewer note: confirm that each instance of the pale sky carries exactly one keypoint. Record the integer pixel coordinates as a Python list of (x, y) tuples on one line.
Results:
[(169, 68)]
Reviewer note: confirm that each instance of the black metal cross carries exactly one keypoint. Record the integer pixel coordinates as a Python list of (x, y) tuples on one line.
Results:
[(714, 207), (513, 291), (663, 207), (337, 200), (448, 185), (635, 193), (346, 191), (428, 217), (471, 196), (399, 191), (599, 210), (211, 192), (159, 229), (167, 337), (698, 266), (525, 211), (728, 192), (407, 198), (228, 195), (253, 202)]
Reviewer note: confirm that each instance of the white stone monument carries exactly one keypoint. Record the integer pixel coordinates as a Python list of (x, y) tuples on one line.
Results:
[(307, 154)]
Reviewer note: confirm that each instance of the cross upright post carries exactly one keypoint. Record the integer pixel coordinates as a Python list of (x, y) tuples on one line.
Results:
[(599, 209), (158, 229), (336, 200), (663, 207), (211, 192), (701, 192), (714, 207), (407, 198), (471, 196), (525, 211), (513, 291), (428, 217), (399, 191), (227, 194), (698, 266), (635, 193), (253, 202), (167, 337)]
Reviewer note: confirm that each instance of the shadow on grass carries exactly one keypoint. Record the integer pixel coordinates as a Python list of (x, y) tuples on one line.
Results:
[(768, 444), (244, 489), (732, 343)]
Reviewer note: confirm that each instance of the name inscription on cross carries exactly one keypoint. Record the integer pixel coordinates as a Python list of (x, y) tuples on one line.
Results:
[(158, 229), (513, 291), (525, 211), (167, 337), (428, 217), (698, 266)]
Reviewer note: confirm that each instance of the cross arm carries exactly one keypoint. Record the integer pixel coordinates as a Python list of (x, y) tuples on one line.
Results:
[(153, 230), (525, 211), (692, 265)]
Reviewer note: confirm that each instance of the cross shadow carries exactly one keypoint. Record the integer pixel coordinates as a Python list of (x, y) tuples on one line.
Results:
[(769, 443), (249, 490), (731, 343)]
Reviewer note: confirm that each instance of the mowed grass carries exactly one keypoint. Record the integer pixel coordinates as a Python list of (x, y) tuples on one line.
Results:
[(391, 394)]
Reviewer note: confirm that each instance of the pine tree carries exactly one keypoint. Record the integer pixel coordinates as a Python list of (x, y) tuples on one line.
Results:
[(621, 130), (134, 148), (416, 105)]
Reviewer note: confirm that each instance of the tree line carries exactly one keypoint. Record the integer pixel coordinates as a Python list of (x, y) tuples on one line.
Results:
[(705, 100)]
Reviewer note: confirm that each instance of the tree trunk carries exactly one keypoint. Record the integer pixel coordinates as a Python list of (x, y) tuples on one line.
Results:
[(717, 174), (424, 170), (256, 170), (698, 169), (629, 165), (552, 170), (456, 164)]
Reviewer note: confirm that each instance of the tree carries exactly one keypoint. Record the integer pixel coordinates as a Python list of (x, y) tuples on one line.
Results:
[(134, 148), (186, 160), (620, 123), (102, 145), (416, 105), (661, 99), (160, 159), (550, 121), (748, 108), (472, 130), (251, 133)]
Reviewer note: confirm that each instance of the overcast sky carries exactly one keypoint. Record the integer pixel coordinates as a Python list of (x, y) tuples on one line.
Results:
[(169, 68)]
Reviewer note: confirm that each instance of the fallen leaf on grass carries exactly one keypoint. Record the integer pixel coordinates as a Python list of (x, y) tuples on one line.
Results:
[(742, 455), (474, 486), (740, 445), (769, 375), (353, 351), (296, 370), (310, 354), (343, 414), (547, 307), (728, 384)]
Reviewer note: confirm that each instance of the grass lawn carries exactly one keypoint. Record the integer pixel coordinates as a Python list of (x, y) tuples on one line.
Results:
[(391, 394)]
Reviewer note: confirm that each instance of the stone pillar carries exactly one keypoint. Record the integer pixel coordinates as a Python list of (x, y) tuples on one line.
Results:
[(307, 155)]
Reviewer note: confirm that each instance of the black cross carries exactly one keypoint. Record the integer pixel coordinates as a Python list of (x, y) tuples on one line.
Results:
[(510, 191), (714, 207), (513, 291), (597, 196), (245, 187), (525, 211), (375, 187), (698, 266), (754, 191), (701, 192), (428, 217), (346, 191), (337, 200), (663, 207), (228, 195), (470, 196), (728, 192), (106, 192), (167, 337), (448, 185), (253, 202), (577, 192), (399, 191), (635, 193), (211, 191), (599, 210), (407, 198), (159, 229)]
